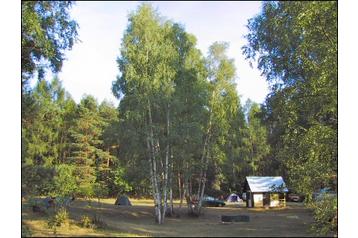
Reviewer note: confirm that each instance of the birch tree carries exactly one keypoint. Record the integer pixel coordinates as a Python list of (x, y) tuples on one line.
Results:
[(223, 101), (147, 75), (189, 113)]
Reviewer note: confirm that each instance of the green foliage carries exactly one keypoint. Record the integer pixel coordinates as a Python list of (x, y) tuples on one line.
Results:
[(188, 105), (296, 48), (85, 189), (100, 190), (222, 105), (94, 223), (257, 146), (295, 44), (42, 130), (46, 32), (86, 133), (86, 222), (325, 213), (36, 179), (120, 182), (61, 217), (25, 231), (163, 72), (45, 120), (66, 147), (145, 86), (64, 180)]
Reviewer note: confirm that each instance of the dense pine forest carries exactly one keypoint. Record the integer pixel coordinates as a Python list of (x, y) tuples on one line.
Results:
[(180, 130)]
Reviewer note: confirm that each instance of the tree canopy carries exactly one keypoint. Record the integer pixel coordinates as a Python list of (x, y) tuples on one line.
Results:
[(295, 44), (180, 129), (47, 30)]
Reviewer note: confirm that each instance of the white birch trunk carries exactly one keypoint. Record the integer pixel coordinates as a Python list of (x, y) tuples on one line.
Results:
[(166, 171), (157, 196), (171, 173), (204, 164), (151, 169), (203, 185)]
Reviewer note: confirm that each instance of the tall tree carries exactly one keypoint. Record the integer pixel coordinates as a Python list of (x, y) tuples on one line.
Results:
[(42, 132), (235, 166), (147, 74), (222, 103), (107, 165), (300, 61), (43, 129), (86, 132), (188, 110), (257, 147), (296, 47)]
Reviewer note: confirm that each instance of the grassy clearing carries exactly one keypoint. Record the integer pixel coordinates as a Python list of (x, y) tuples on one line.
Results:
[(138, 220)]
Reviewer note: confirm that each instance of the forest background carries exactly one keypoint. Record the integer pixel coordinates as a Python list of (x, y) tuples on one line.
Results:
[(10, 188)]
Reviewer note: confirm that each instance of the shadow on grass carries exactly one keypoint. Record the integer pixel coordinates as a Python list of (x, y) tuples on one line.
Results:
[(139, 220)]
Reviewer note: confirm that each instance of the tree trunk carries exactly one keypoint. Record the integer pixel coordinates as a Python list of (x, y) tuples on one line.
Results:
[(180, 190), (157, 196), (171, 206), (188, 195), (151, 169), (202, 159), (203, 185), (166, 171), (204, 165)]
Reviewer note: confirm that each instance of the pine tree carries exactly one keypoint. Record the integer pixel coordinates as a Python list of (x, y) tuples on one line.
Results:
[(86, 132)]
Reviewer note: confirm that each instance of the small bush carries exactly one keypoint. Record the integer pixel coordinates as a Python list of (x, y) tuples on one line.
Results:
[(94, 222), (86, 222), (60, 218)]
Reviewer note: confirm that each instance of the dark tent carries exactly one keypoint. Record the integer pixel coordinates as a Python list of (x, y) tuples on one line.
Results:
[(123, 201)]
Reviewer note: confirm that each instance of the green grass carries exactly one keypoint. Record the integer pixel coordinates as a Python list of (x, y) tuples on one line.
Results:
[(36, 225), (138, 220)]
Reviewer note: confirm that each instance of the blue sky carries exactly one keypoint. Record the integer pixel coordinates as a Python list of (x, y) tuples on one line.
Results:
[(91, 65)]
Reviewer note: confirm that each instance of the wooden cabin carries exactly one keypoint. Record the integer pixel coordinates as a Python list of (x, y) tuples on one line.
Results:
[(265, 191)]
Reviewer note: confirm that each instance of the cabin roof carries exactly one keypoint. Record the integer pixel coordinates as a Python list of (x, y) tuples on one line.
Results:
[(266, 184)]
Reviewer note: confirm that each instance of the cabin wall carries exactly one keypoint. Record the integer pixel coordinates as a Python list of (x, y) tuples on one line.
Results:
[(258, 199), (265, 199)]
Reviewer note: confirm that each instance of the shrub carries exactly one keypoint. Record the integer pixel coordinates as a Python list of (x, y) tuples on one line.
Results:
[(325, 214), (94, 222), (86, 222), (60, 218)]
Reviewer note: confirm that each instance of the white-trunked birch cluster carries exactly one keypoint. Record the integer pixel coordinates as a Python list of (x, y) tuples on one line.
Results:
[(163, 75)]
